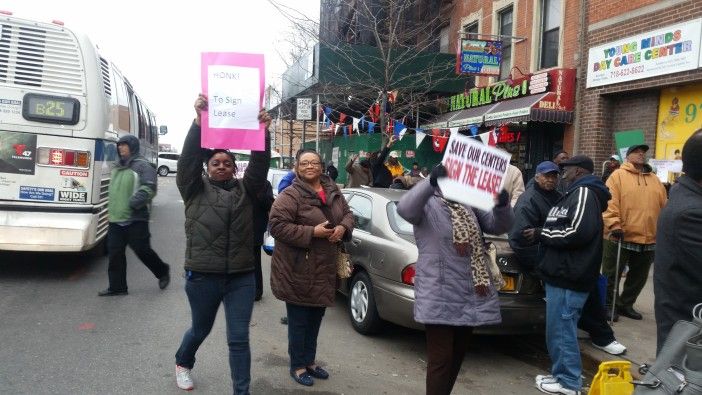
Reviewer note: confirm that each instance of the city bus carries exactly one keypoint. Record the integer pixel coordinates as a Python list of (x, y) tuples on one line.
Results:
[(63, 106)]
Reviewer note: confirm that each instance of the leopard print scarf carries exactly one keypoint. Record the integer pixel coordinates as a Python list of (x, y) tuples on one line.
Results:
[(467, 239)]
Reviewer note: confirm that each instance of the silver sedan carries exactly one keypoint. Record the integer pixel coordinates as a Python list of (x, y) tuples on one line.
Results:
[(383, 252)]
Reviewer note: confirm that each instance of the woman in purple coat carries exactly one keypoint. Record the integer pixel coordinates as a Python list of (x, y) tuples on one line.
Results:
[(453, 288)]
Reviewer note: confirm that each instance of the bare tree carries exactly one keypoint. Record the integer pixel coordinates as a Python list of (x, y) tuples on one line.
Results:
[(378, 46)]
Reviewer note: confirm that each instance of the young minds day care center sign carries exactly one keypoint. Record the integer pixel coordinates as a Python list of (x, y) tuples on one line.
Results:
[(475, 172), (668, 50), (234, 84)]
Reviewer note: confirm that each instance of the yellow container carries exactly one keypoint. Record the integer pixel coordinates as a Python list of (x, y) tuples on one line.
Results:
[(613, 378)]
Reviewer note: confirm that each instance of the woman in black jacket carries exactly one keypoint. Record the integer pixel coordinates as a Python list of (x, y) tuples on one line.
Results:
[(219, 257)]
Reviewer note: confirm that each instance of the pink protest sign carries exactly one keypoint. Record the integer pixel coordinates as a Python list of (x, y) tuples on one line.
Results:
[(234, 84)]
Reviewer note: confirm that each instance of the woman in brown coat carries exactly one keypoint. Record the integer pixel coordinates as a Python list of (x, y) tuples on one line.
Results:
[(307, 220)]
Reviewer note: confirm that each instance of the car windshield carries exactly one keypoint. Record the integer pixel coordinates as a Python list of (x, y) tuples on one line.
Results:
[(397, 223)]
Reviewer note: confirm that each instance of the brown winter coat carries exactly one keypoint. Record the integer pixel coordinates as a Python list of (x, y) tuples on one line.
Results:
[(303, 267)]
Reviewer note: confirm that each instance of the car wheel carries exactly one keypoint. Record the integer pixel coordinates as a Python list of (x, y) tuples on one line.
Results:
[(163, 171), (361, 305)]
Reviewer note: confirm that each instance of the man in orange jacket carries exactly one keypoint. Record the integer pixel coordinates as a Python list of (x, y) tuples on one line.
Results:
[(637, 199)]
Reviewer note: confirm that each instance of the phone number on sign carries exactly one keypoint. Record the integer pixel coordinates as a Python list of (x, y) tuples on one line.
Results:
[(625, 72)]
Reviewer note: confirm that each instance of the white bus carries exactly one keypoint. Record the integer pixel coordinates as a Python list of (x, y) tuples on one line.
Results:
[(62, 108)]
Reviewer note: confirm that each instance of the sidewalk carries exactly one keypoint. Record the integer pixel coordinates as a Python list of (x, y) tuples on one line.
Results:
[(639, 337)]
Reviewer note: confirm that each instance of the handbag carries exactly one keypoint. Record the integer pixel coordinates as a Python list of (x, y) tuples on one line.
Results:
[(343, 258), (495, 274), (343, 262), (678, 366)]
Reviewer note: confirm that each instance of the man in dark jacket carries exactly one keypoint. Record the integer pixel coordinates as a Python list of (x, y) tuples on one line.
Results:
[(678, 261), (382, 177), (572, 237), (132, 186), (332, 171), (531, 211)]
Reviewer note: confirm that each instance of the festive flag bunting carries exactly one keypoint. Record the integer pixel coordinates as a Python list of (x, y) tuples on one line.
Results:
[(484, 137), (399, 129), (439, 140), (355, 125), (473, 130), (342, 117), (350, 129), (453, 130), (336, 129), (419, 137), (371, 126)]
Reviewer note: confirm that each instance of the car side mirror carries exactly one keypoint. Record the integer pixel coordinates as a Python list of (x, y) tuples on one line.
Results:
[(163, 129)]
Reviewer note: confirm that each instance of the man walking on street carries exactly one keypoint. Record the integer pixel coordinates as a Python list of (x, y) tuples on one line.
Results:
[(637, 199), (572, 239), (132, 186), (531, 211), (677, 275)]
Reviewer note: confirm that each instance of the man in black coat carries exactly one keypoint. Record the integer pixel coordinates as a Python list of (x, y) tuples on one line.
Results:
[(572, 240), (531, 211), (382, 178), (677, 274)]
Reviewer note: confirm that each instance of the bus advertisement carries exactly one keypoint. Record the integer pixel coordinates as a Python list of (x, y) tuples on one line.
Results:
[(62, 108)]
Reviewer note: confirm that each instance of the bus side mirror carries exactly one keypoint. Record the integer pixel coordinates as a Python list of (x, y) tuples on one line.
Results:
[(163, 129)]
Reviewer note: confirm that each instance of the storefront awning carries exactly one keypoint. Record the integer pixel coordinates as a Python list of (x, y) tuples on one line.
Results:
[(438, 122), (526, 109), (470, 116)]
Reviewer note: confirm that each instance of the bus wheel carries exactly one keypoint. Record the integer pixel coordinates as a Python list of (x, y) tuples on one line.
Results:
[(163, 171)]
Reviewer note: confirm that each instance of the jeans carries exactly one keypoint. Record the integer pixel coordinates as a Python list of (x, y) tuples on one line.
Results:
[(303, 328), (593, 319), (563, 308), (136, 235), (205, 293), (639, 265), (446, 348)]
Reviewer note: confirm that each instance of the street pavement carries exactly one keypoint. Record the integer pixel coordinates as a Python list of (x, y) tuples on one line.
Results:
[(639, 337), (58, 337)]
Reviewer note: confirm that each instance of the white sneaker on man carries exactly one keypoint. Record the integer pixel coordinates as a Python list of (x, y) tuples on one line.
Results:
[(544, 378), (614, 348), (183, 378), (554, 387)]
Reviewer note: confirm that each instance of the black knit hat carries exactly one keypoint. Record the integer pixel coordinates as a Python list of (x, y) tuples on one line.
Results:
[(581, 161), (692, 156)]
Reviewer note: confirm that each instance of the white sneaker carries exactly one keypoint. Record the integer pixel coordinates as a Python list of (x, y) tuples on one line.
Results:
[(183, 378), (544, 378), (555, 388), (614, 348)]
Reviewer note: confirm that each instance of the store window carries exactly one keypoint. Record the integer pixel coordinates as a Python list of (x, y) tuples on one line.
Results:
[(505, 23), (444, 40), (550, 32)]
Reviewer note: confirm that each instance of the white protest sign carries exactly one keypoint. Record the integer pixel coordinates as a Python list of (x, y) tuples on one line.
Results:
[(475, 172), (665, 167), (233, 97)]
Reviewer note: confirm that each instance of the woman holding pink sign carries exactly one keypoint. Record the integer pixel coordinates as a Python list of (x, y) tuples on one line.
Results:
[(219, 261)]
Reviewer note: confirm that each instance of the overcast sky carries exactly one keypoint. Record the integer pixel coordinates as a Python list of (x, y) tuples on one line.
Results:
[(157, 44)]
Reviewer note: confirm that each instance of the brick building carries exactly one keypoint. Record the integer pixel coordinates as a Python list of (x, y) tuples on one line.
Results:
[(643, 74), (539, 38)]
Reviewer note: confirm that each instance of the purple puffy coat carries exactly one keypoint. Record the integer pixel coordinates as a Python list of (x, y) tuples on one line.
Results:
[(443, 284)]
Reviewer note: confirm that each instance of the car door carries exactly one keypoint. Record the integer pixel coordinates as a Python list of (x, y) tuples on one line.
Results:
[(361, 207)]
